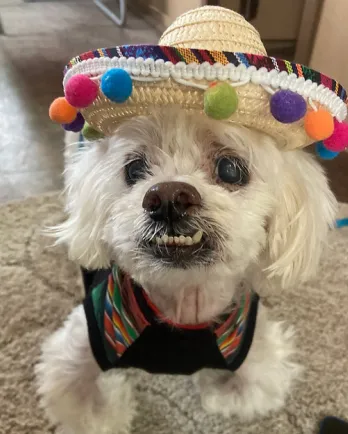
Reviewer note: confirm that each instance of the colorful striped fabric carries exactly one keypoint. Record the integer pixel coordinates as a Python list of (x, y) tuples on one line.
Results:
[(230, 334), (123, 321), (190, 55)]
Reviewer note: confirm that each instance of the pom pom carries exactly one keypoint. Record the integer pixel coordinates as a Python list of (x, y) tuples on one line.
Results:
[(220, 101), (341, 223), (287, 106), (90, 133), (62, 112), (323, 152), (338, 141), (319, 125), (81, 91), (116, 84), (76, 125)]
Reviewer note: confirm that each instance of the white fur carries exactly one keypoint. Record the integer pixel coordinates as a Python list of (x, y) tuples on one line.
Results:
[(270, 231), (263, 381), (74, 391)]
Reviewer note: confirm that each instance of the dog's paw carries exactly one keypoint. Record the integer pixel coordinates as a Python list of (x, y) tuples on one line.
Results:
[(236, 397), (220, 392), (110, 410), (117, 406)]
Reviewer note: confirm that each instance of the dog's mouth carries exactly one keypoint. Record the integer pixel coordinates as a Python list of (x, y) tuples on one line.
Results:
[(179, 240), (182, 249)]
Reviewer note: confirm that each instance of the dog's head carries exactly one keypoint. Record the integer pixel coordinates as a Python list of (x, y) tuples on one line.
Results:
[(176, 197)]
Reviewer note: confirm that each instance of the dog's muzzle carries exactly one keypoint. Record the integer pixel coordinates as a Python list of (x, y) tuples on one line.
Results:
[(171, 201), (177, 239)]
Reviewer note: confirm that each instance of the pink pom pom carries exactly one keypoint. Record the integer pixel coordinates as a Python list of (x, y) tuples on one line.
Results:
[(81, 91), (338, 141)]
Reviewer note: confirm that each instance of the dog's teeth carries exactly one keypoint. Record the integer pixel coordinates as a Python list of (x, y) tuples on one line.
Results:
[(188, 241), (182, 239), (197, 237)]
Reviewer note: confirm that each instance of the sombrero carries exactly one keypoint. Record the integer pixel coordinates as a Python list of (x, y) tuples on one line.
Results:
[(210, 60)]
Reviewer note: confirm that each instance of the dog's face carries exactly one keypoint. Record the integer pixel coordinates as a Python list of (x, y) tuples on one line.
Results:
[(176, 198), (189, 200)]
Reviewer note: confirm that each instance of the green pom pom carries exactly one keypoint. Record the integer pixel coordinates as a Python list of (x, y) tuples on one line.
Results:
[(90, 133), (220, 101)]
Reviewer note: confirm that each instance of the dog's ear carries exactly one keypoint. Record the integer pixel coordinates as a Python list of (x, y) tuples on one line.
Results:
[(304, 213), (83, 229)]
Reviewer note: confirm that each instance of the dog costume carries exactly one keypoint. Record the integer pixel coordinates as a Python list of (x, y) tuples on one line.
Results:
[(127, 330), (212, 61)]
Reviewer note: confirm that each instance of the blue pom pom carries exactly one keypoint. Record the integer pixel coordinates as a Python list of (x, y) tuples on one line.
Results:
[(323, 152), (341, 223), (116, 84)]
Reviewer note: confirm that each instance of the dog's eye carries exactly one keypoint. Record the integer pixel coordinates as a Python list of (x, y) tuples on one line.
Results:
[(231, 171), (136, 170)]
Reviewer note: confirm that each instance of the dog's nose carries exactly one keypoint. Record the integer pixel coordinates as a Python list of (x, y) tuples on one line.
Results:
[(171, 200)]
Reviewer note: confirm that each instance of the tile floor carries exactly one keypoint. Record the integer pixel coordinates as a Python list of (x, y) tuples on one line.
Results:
[(37, 38)]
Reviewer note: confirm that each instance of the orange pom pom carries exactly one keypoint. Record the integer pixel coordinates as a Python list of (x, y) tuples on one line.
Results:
[(62, 112), (319, 125)]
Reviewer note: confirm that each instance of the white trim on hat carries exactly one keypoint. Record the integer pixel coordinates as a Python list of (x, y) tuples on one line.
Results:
[(156, 70)]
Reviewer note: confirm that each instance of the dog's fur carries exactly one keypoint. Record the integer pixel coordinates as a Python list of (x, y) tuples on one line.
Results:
[(268, 232)]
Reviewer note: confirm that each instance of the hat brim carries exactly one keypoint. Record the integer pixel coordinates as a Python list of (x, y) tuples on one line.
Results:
[(167, 76)]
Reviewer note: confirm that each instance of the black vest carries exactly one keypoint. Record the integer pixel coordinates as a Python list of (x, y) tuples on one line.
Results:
[(127, 330)]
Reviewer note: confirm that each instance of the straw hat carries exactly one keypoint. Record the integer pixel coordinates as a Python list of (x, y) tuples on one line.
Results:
[(210, 60)]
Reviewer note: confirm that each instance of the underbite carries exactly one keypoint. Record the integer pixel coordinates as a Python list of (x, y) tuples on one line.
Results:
[(178, 240)]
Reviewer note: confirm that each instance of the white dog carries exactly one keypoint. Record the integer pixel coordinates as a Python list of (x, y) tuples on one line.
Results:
[(264, 215)]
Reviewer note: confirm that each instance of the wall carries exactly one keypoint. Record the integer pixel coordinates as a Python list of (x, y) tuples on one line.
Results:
[(330, 51), (176, 8), (276, 19)]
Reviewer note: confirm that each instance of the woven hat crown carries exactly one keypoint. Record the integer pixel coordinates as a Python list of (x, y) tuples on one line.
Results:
[(213, 28)]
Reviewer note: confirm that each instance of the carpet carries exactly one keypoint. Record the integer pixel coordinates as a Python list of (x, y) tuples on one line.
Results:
[(39, 287)]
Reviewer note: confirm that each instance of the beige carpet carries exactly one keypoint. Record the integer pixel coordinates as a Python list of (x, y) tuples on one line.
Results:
[(39, 287)]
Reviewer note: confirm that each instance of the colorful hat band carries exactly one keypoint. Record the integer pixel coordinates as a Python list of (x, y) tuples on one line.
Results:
[(295, 89), (191, 57)]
